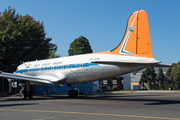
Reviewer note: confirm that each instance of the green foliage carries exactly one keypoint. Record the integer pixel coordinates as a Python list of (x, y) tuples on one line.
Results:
[(176, 85), (52, 51), (148, 76), (174, 72), (160, 74), (80, 45), (169, 86), (160, 77), (168, 72), (53, 55), (22, 38)]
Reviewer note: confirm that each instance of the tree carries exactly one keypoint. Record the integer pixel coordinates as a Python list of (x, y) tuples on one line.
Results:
[(80, 45), (160, 77), (22, 38), (168, 72), (148, 76), (53, 55), (174, 73), (52, 51)]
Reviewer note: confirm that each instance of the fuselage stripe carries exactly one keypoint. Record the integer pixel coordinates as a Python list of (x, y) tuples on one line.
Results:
[(56, 67)]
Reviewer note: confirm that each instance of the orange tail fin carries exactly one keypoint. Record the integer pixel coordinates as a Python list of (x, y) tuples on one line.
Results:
[(136, 41)]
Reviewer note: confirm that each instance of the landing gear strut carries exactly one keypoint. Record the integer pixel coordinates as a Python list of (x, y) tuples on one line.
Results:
[(30, 93), (73, 92), (23, 93), (26, 91)]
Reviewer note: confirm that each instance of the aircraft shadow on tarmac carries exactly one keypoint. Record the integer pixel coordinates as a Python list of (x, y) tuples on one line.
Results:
[(10, 105), (118, 98)]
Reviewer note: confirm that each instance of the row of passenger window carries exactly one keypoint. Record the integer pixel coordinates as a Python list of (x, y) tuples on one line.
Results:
[(57, 67)]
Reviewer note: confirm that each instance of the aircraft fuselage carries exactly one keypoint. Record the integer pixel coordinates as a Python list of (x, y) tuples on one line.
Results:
[(79, 69)]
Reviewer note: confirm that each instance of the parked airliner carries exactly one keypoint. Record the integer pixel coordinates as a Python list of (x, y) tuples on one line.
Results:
[(131, 55)]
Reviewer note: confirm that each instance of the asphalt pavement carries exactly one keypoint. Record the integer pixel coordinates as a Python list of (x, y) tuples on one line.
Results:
[(99, 106)]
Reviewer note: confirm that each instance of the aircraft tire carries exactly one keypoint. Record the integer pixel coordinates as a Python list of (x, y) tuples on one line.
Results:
[(70, 93), (75, 93)]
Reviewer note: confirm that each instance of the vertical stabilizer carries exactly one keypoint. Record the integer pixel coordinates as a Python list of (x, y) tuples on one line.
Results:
[(136, 40)]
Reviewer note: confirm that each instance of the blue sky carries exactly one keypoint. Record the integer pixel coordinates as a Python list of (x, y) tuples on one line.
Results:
[(103, 22)]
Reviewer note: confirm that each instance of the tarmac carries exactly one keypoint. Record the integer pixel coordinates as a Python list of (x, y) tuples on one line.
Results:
[(139, 105)]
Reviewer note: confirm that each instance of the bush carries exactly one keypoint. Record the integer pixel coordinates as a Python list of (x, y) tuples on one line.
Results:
[(169, 86)]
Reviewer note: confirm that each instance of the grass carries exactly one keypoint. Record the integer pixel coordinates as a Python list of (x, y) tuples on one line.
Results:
[(121, 91), (132, 91)]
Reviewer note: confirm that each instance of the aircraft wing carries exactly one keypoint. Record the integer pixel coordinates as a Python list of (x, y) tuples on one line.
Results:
[(130, 63), (47, 79)]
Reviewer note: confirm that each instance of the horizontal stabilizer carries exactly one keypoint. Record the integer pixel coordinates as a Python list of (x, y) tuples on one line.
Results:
[(150, 64), (123, 63), (162, 65)]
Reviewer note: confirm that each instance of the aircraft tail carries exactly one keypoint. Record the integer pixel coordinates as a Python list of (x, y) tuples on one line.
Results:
[(136, 40)]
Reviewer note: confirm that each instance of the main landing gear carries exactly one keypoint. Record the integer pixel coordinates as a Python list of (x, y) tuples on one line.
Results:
[(26, 92), (73, 92)]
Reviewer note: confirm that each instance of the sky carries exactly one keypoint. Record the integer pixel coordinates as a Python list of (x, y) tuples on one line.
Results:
[(103, 22)]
